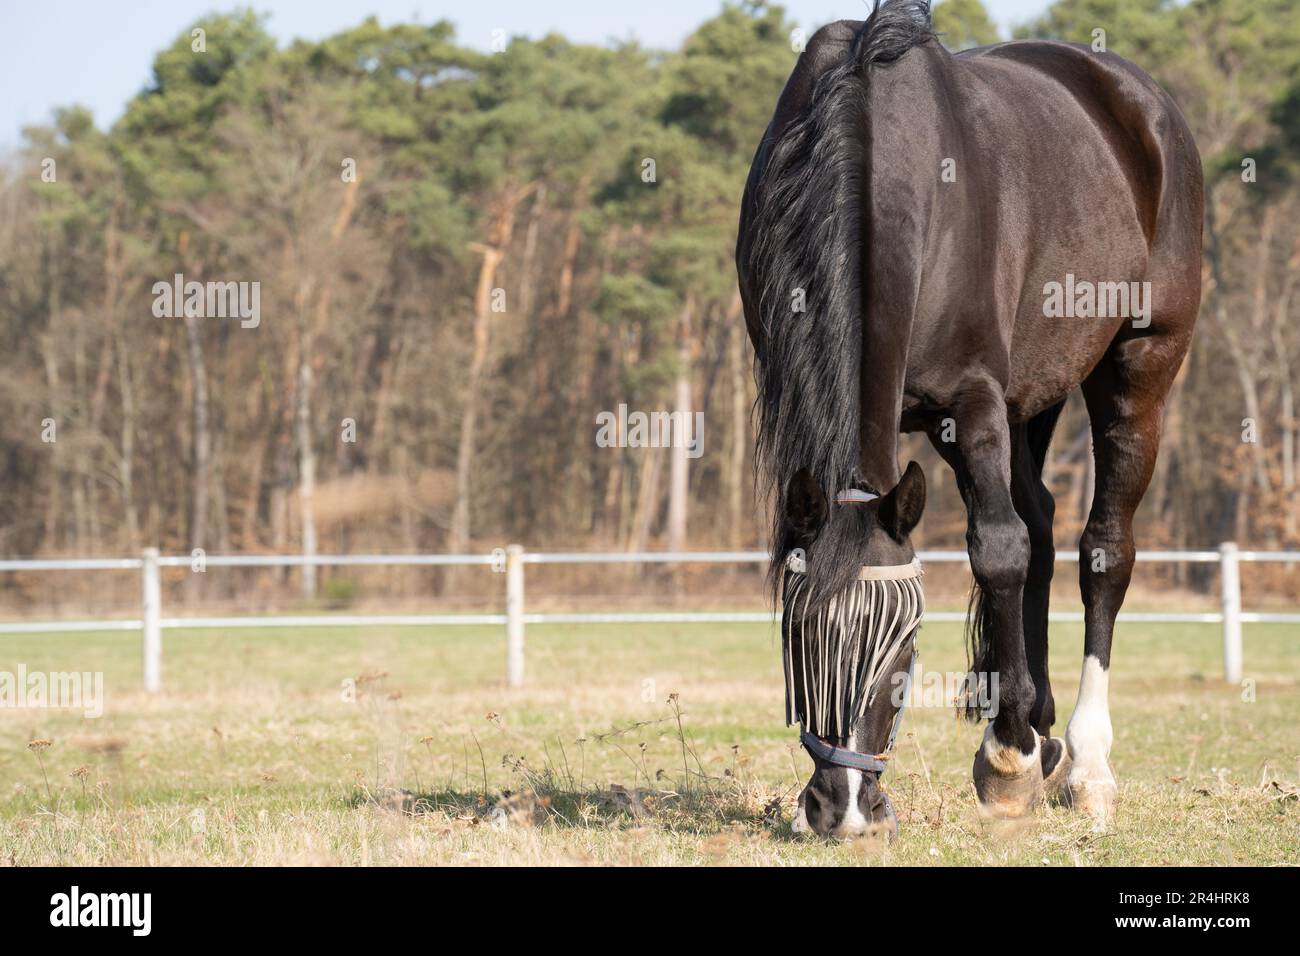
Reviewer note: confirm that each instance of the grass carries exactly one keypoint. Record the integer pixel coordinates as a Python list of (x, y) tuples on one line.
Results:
[(400, 746)]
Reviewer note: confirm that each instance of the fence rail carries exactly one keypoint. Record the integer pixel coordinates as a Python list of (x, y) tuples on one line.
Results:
[(511, 562)]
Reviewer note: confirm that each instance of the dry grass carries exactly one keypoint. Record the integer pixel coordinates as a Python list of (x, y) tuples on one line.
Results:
[(254, 756)]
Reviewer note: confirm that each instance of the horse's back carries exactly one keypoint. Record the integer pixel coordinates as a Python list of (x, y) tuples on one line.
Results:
[(1132, 114), (993, 173)]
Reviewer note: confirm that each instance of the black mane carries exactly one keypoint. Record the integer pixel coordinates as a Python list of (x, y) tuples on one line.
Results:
[(893, 28), (807, 224)]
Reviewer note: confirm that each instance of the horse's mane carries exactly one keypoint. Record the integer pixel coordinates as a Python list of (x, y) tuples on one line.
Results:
[(808, 229), (893, 28)]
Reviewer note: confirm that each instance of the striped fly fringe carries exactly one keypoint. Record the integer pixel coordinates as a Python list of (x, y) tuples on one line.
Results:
[(834, 668)]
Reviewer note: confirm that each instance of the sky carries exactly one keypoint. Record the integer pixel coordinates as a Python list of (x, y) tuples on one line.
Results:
[(98, 53)]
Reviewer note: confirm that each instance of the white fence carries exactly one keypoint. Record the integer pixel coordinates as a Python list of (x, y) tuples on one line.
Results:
[(511, 562)]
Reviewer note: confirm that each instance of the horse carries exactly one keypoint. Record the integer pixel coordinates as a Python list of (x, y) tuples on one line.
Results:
[(953, 243)]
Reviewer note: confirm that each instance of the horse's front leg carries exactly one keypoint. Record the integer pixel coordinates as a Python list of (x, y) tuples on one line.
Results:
[(1008, 769)]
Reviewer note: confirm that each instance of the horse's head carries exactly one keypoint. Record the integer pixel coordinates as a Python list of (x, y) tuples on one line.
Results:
[(852, 602)]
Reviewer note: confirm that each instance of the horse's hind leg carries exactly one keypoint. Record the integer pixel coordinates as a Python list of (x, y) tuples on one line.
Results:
[(1037, 508), (1125, 396)]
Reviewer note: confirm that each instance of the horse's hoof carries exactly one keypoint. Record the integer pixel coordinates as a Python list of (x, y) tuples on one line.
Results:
[(1009, 783), (1095, 797), (1056, 769)]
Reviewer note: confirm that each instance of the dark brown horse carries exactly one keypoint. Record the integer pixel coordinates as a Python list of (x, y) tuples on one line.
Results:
[(953, 243)]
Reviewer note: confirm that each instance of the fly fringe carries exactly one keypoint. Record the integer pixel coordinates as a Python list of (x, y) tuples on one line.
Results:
[(844, 646)]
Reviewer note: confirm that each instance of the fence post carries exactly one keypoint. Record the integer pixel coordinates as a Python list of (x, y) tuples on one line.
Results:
[(1230, 575), (515, 615), (152, 621)]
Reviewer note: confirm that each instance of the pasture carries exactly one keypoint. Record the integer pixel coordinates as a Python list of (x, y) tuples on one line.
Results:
[(257, 753)]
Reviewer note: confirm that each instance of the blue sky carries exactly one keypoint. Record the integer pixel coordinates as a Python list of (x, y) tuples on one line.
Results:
[(98, 52)]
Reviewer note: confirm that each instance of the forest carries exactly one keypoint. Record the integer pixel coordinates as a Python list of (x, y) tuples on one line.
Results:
[(466, 261)]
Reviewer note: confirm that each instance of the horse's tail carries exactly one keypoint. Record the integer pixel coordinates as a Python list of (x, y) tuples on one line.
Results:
[(981, 654), (808, 253)]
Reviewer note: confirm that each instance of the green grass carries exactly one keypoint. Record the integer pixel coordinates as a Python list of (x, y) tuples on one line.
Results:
[(253, 756)]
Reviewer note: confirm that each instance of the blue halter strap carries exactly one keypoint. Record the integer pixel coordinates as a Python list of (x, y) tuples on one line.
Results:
[(851, 759)]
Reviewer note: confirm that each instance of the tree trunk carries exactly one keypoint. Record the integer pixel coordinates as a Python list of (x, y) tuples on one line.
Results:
[(647, 500), (54, 500), (307, 327), (126, 456), (460, 527), (376, 460), (611, 514), (679, 477), (201, 438), (306, 461), (249, 535), (282, 465), (527, 280), (201, 448), (1286, 398), (582, 468), (572, 236), (492, 253)]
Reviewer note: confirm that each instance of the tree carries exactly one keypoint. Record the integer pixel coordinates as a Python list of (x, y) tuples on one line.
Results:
[(962, 24)]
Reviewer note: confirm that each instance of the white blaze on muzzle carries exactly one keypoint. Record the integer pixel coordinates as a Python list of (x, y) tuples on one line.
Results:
[(845, 645)]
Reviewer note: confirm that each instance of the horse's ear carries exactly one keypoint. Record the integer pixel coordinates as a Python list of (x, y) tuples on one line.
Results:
[(901, 509), (805, 507)]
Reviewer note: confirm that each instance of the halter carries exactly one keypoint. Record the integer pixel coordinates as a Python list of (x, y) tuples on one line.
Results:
[(844, 757), (887, 603), (851, 496)]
